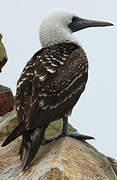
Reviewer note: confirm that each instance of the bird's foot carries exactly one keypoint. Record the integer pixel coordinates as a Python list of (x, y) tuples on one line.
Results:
[(79, 136), (75, 135)]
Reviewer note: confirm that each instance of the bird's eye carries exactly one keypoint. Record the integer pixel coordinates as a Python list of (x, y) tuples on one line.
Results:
[(74, 19)]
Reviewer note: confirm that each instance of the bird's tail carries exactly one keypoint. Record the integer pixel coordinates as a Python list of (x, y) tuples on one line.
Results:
[(18, 131), (30, 144)]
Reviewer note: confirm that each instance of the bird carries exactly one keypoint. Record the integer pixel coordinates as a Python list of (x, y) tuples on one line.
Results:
[(51, 83), (3, 54)]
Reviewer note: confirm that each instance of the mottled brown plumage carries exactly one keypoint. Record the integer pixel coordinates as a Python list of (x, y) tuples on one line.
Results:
[(51, 86)]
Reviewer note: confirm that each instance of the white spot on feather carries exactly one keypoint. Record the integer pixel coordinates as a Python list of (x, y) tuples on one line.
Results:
[(29, 74), (54, 58), (46, 56), (61, 63), (21, 82), (41, 103), (49, 58), (33, 103), (51, 70), (38, 57), (63, 58), (42, 78), (17, 108), (54, 65)]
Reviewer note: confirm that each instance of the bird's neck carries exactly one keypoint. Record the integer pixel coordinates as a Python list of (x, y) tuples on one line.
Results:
[(50, 35)]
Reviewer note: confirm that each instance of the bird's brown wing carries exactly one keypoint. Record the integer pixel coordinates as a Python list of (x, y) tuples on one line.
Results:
[(60, 75)]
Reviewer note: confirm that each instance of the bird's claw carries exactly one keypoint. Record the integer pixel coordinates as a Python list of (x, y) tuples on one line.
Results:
[(75, 135)]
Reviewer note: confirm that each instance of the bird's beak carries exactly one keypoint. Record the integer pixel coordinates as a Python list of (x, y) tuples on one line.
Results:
[(85, 23)]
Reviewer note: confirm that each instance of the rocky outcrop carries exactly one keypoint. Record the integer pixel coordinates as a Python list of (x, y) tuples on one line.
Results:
[(8, 122), (113, 163), (6, 100), (63, 159), (3, 55)]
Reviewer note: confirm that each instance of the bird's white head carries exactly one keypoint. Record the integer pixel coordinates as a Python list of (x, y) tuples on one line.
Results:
[(59, 26), (54, 28)]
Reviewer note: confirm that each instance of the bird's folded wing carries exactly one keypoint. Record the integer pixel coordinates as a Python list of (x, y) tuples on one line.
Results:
[(66, 80), (56, 77)]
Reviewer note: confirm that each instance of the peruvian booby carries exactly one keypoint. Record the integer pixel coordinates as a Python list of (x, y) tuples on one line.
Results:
[(3, 55), (51, 83)]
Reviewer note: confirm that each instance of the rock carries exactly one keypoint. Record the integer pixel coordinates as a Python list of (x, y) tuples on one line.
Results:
[(3, 54), (55, 128), (8, 122), (2, 63), (113, 163), (6, 100), (63, 159)]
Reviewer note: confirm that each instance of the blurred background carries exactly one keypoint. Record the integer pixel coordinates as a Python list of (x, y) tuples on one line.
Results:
[(96, 112)]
